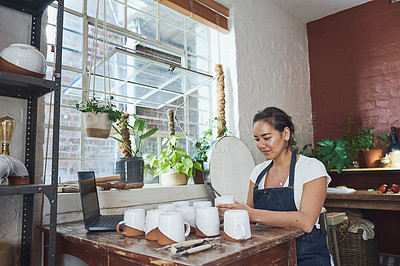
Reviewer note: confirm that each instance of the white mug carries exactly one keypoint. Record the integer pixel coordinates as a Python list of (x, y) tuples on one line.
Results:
[(151, 225), (228, 199), (189, 216), (207, 222), (181, 203), (203, 203), (168, 207), (236, 225), (172, 228), (133, 223)]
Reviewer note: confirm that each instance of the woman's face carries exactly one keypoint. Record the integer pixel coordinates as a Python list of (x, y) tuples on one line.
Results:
[(270, 141)]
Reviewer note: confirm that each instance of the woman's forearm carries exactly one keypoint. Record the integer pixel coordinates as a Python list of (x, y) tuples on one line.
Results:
[(294, 219)]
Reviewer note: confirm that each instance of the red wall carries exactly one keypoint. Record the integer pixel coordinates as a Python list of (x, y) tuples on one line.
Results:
[(355, 69)]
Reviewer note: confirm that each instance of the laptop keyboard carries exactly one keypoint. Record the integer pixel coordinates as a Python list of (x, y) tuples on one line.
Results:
[(107, 220)]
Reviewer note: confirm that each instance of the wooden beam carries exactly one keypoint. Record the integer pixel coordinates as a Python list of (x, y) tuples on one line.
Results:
[(198, 12)]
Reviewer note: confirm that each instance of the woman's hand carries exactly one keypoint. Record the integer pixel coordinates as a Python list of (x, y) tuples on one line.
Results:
[(236, 206)]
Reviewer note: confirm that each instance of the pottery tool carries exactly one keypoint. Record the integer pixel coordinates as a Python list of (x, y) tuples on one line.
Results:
[(192, 246)]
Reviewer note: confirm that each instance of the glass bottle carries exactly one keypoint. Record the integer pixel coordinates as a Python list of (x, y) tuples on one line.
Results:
[(394, 141), (394, 149)]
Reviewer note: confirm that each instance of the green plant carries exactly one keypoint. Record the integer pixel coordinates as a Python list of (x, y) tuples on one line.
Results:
[(335, 153), (139, 134), (173, 158), (363, 139), (96, 106)]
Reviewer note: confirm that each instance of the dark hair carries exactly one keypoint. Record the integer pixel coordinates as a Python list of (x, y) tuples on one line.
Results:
[(276, 118)]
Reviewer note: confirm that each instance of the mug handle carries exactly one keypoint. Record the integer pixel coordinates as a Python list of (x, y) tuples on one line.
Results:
[(242, 230), (187, 230), (118, 225)]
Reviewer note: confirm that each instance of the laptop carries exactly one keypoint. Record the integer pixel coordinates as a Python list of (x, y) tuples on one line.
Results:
[(90, 205)]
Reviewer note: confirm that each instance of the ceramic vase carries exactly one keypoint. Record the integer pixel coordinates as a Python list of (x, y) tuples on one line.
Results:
[(173, 179)]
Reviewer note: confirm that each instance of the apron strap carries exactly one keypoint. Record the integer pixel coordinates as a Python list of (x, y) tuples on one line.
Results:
[(262, 174), (292, 167)]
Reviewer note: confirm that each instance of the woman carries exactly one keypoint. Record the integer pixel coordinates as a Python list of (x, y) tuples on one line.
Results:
[(287, 190)]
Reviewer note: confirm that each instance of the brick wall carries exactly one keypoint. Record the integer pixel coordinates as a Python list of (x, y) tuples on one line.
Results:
[(355, 65)]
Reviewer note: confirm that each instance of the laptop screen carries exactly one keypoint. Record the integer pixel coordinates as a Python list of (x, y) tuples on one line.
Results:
[(90, 202)]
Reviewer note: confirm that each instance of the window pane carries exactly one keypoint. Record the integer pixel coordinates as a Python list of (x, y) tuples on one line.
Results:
[(172, 35), (70, 144), (199, 117), (197, 27), (147, 6), (68, 170), (198, 45), (142, 23), (74, 5), (115, 11), (172, 16), (100, 148), (101, 168), (199, 103), (70, 117), (198, 64)]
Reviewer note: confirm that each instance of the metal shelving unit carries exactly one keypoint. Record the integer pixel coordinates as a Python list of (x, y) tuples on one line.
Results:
[(31, 88)]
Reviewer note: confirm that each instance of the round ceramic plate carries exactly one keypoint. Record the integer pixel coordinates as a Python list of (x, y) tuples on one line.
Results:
[(230, 166)]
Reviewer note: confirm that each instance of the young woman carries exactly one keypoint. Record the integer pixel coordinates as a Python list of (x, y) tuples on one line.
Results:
[(286, 190)]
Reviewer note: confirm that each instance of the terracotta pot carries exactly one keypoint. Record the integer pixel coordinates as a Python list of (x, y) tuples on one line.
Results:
[(173, 179), (372, 157), (97, 125), (198, 177)]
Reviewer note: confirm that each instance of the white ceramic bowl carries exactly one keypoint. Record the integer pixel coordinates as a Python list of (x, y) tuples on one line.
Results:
[(23, 56)]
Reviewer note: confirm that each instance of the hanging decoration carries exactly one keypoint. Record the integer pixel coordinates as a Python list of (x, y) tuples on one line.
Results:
[(220, 99)]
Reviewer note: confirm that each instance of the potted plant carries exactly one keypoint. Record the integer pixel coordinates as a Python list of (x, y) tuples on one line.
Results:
[(364, 141), (173, 165), (335, 153), (202, 146), (131, 166), (98, 116)]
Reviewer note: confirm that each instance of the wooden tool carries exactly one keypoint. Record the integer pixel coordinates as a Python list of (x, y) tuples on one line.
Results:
[(119, 185), (110, 178), (108, 186)]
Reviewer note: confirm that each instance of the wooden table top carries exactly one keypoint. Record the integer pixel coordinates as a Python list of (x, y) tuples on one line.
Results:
[(263, 237)]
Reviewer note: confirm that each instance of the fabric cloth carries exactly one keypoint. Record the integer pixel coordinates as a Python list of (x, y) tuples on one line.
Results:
[(10, 166), (306, 170), (311, 248), (365, 225)]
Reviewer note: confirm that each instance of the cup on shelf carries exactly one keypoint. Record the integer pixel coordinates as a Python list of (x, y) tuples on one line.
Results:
[(133, 222)]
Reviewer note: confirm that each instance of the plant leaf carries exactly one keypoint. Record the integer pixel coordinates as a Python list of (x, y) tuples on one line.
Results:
[(149, 133)]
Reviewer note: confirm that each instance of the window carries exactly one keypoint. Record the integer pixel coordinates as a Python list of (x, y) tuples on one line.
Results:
[(144, 26)]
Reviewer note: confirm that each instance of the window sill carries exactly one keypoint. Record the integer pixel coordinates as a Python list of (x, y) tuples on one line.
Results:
[(116, 201)]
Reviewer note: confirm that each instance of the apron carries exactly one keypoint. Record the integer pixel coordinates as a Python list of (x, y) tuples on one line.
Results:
[(311, 247)]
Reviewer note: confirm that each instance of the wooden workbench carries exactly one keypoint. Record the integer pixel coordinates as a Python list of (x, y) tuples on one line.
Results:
[(383, 209), (268, 246), (363, 199)]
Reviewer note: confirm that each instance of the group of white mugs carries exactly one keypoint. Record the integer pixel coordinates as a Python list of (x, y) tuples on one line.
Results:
[(172, 223)]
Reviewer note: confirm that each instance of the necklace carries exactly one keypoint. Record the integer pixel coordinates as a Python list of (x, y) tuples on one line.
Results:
[(281, 180)]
